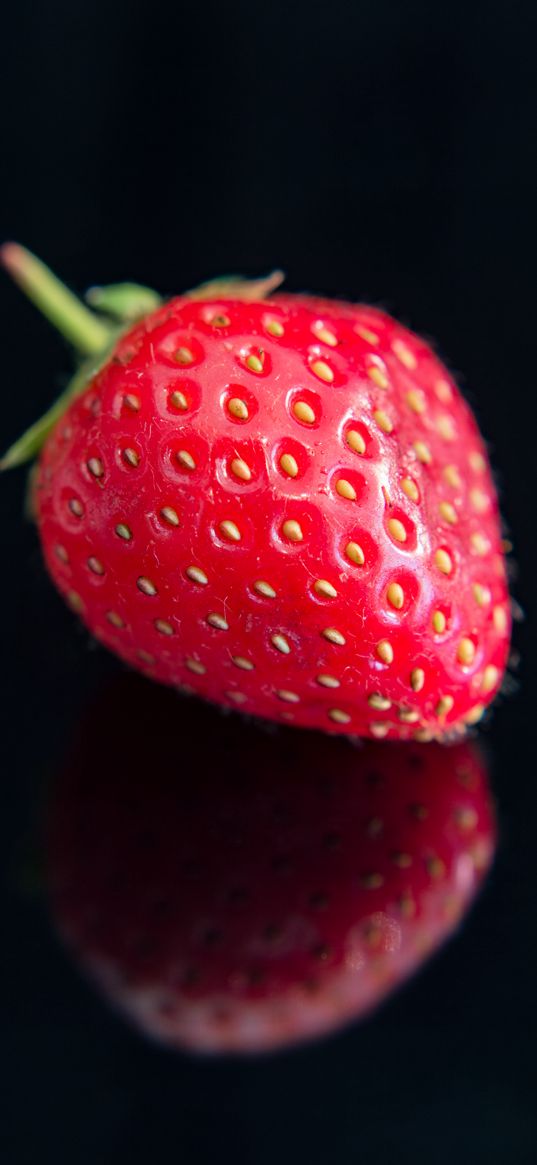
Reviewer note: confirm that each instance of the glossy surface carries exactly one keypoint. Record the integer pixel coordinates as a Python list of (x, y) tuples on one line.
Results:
[(267, 898), (284, 507)]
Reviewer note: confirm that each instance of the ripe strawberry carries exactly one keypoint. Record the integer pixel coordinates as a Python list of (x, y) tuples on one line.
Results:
[(286, 507), (269, 897)]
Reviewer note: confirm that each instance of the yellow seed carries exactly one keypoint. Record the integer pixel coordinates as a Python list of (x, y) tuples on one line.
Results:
[(230, 531), (304, 412), (404, 354), (146, 586), (114, 619), (372, 881), (439, 622), (384, 651), (355, 553), (243, 663), (475, 714), (95, 466), (163, 627), (145, 656), (275, 328), (237, 697), (446, 427), (408, 716), (481, 594), (61, 553), (367, 335), (480, 545), (448, 513), (220, 321), (255, 363), (443, 561), (292, 530), (415, 401), (435, 867), (280, 643), (338, 716), (452, 476), (383, 421), (131, 457), (240, 469), (288, 464), (402, 860), (195, 574), (477, 461), (333, 636), (170, 515), (345, 489), (466, 651), (444, 705), (491, 676), (466, 818), (325, 589), (195, 666), (479, 500), (417, 679), (124, 531), (443, 391), (178, 400), (396, 595), (132, 402), (380, 703), (410, 488), (499, 618), (423, 453), (321, 369), (397, 530), (95, 565), (184, 356), (75, 601), (377, 375), (380, 729), (265, 589), (423, 735), (290, 697), (325, 336), (327, 681), (355, 441), (217, 621), (238, 408), (76, 507), (185, 459)]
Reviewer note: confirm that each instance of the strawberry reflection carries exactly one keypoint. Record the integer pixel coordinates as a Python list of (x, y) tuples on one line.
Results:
[(236, 888)]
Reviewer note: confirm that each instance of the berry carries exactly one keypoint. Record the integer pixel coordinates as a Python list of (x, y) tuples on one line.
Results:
[(284, 506), (268, 897)]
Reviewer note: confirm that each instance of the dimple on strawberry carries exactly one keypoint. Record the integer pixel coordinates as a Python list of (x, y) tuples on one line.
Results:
[(278, 502), (269, 897)]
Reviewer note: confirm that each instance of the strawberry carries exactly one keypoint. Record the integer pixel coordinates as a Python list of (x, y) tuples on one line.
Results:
[(264, 897), (285, 506)]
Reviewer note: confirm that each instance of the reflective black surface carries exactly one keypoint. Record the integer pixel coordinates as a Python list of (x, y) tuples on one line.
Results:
[(382, 153)]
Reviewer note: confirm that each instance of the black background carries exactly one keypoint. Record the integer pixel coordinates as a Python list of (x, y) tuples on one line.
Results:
[(376, 151)]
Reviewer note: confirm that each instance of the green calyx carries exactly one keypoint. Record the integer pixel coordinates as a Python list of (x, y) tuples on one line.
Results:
[(126, 302), (94, 336)]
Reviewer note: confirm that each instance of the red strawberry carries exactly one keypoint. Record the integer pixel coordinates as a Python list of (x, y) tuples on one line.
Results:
[(268, 887), (284, 506)]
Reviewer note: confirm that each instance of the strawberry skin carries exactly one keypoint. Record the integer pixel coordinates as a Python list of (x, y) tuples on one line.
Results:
[(285, 507), (269, 897)]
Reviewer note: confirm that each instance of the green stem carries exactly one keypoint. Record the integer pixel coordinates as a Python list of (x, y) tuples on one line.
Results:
[(76, 322)]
